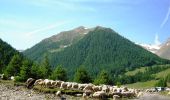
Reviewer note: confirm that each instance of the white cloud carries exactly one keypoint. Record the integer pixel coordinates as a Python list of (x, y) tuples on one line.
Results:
[(42, 29), (61, 4), (166, 18), (157, 42)]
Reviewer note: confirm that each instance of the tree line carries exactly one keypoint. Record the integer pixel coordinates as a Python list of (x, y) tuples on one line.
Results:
[(23, 69)]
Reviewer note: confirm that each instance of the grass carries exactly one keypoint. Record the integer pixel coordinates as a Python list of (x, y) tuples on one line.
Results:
[(142, 69), (163, 74), (142, 85), (131, 73), (8, 82)]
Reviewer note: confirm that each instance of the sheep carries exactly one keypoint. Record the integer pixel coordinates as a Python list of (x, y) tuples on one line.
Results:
[(39, 82), (12, 78), (69, 85), (88, 92), (99, 94), (74, 85), (63, 85), (1, 76), (96, 88), (116, 97), (105, 88), (139, 94), (128, 94), (125, 89), (30, 82), (88, 87), (58, 93), (81, 86), (58, 83)]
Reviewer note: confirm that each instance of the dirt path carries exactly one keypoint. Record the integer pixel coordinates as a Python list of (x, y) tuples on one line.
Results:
[(154, 96), (9, 92)]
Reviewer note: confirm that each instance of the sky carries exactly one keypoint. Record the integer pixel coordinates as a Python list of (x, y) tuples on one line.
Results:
[(23, 23)]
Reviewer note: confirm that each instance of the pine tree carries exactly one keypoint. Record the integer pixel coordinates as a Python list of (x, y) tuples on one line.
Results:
[(14, 66), (103, 78), (25, 70), (59, 73), (34, 71), (44, 70), (82, 76)]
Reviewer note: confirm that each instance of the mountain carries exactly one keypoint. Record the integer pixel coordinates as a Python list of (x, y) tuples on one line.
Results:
[(152, 48), (102, 48), (56, 43), (164, 51), (6, 53)]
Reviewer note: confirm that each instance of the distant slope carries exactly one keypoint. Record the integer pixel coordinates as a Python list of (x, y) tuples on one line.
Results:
[(152, 48), (158, 72), (164, 51), (6, 53), (103, 48), (55, 43)]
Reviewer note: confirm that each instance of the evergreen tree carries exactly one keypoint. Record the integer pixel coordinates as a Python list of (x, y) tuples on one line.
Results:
[(44, 70), (14, 66), (82, 76), (103, 78), (25, 70), (6, 54), (46, 65), (59, 73), (161, 83), (34, 71)]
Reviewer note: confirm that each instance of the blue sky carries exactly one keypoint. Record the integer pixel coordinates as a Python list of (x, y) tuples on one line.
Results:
[(23, 23)]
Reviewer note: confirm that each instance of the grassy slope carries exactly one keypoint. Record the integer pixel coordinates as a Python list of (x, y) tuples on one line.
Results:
[(142, 85), (163, 73), (131, 73), (147, 84)]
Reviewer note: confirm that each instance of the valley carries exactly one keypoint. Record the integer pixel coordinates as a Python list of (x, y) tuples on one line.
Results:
[(101, 56)]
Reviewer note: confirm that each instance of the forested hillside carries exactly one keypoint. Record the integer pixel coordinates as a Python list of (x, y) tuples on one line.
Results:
[(101, 49), (55, 43), (6, 53)]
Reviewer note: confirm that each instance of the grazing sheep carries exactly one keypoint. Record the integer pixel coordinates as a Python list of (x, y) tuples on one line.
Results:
[(128, 94), (12, 78), (58, 93), (69, 85), (116, 97), (96, 88), (1, 76), (139, 94), (79, 95), (63, 85), (125, 89), (99, 94), (30, 82), (39, 82), (84, 95), (88, 92), (88, 87), (81, 86), (58, 83), (74, 85), (105, 88)]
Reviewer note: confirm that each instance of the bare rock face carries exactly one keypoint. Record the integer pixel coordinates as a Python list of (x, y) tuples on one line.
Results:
[(164, 51)]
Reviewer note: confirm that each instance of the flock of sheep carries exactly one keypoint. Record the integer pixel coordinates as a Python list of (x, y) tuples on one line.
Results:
[(89, 90)]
